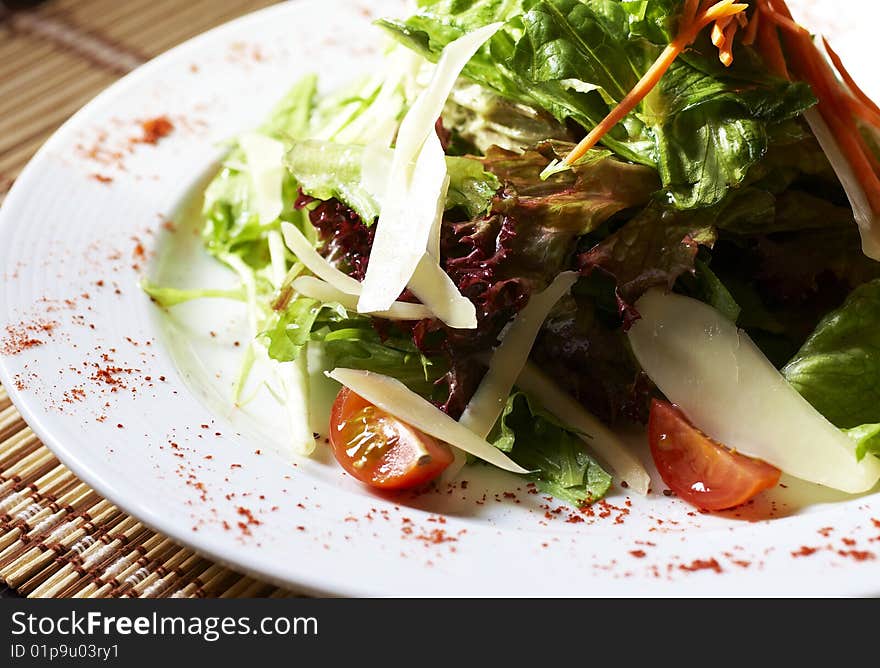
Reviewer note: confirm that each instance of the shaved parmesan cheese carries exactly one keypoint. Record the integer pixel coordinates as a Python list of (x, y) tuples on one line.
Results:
[(306, 253), (440, 295), (433, 287), (409, 211), (729, 390), (395, 398), (508, 360), (315, 288), (265, 163), (417, 182), (601, 440), (375, 167), (869, 225)]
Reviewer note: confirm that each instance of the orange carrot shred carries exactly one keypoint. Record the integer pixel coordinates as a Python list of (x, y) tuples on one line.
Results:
[(771, 49), (689, 12), (785, 23), (857, 108), (847, 77), (725, 51), (751, 32), (688, 32), (812, 67), (718, 31)]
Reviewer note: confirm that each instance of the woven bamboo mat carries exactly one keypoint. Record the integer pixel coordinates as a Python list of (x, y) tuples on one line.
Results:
[(58, 537)]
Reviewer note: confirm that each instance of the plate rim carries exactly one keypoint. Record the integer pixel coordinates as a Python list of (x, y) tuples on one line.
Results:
[(35, 416)]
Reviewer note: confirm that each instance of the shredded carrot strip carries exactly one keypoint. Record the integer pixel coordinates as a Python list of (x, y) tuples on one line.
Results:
[(725, 51), (861, 111), (688, 32), (751, 32), (810, 65), (771, 49), (689, 12), (718, 31), (853, 86), (785, 23)]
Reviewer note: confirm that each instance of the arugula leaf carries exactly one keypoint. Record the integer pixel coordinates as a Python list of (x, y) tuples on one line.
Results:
[(351, 341), (537, 441), (838, 368)]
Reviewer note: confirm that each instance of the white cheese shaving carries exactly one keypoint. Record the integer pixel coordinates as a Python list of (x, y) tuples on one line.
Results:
[(416, 183), (866, 218), (315, 288), (730, 390), (265, 164), (439, 294), (601, 440), (306, 253), (509, 358), (395, 398)]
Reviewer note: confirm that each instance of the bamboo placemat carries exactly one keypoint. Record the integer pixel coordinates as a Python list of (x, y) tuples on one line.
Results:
[(58, 537)]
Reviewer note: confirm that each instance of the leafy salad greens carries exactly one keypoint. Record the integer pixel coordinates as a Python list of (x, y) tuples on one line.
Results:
[(690, 147)]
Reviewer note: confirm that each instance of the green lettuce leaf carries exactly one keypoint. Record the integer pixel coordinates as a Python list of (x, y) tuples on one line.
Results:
[(703, 127), (232, 223), (838, 368), (167, 297), (291, 329), (867, 438), (471, 187), (537, 441), (353, 343), (480, 119), (350, 341), (705, 285), (327, 170)]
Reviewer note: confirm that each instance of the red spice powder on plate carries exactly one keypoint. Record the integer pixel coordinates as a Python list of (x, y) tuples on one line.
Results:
[(702, 565), (154, 129), (23, 336)]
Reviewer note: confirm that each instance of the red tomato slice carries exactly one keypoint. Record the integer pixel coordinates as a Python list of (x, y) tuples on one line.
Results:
[(380, 450), (699, 470)]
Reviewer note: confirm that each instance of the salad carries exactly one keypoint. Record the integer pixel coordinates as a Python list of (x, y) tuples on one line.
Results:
[(542, 220)]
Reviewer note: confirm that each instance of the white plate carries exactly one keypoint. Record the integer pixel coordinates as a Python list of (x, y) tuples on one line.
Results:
[(173, 453)]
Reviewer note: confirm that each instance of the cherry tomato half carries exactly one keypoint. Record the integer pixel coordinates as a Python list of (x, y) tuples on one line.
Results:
[(699, 470), (380, 450)]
